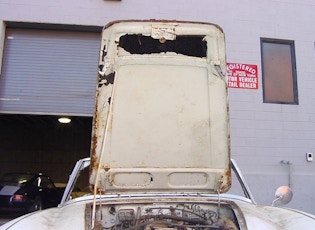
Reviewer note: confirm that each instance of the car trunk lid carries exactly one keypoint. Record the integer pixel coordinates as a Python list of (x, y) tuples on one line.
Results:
[(161, 121)]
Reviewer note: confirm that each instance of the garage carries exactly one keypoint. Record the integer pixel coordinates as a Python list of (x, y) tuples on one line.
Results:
[(47, 73), (39, 143)]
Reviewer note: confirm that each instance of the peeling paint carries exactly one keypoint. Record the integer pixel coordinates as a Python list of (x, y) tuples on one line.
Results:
[(159, 97), (106, 79)]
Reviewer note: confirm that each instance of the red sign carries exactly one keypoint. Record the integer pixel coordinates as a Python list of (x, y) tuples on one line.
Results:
[(242, 76)]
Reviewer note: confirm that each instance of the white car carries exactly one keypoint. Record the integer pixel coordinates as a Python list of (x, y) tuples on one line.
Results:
[(164, 211), (160, 152)]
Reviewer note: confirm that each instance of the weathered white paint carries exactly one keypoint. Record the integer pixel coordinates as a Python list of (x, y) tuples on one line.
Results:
[(166, 126), (234, 210), (72, 215)]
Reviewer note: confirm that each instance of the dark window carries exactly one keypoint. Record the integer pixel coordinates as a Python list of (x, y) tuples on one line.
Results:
[(43, 182), (194, 46), (279, 71)]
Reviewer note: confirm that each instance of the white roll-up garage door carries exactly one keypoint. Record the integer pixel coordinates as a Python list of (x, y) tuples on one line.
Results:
[(49, 72)]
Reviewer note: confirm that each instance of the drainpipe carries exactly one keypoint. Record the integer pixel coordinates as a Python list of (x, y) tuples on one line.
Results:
[(288, 163)]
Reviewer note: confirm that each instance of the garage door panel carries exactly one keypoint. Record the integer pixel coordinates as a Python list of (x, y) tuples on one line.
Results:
[(49, 72)]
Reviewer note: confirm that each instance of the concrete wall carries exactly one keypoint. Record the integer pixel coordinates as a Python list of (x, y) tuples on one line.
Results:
[(261, 134)]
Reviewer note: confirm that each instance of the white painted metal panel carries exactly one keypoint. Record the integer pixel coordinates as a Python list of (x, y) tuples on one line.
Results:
[(161, 122)]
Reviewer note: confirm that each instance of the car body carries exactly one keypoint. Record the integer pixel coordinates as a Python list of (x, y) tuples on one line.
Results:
[(160, 153), (163, 211), (27, 192)]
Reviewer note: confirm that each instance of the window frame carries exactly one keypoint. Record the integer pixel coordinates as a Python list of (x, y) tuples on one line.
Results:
[(291, 43)]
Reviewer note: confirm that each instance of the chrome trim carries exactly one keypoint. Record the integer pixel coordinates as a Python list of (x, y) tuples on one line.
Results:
[(248, 194)]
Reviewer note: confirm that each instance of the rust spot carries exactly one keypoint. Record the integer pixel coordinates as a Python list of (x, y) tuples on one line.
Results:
[(228, 179), (106, 168), (95, 125), (91, 187), (228, 172), (94, 160)]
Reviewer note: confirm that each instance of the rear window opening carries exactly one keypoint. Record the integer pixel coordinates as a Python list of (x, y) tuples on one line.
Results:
[(194, 46)]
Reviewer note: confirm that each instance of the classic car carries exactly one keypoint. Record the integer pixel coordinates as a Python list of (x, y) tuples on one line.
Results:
[(160, 153), (28, 192), (165, 211)]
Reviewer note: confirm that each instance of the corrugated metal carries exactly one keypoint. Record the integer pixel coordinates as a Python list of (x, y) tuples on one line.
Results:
[(49, 72)]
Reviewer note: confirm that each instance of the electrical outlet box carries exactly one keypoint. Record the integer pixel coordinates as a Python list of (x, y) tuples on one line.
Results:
[(309, 157)]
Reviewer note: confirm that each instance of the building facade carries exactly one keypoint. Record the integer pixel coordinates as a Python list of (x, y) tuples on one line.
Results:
[(49, 52)]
